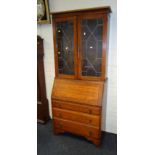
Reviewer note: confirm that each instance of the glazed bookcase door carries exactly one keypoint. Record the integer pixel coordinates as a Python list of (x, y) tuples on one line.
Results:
[(65, 47), (92, 47)]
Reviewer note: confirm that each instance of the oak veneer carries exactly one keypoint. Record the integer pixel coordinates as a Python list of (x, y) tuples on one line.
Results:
[(80, 50), (77, 116), (84, 92), (77, 107), (77, 128)]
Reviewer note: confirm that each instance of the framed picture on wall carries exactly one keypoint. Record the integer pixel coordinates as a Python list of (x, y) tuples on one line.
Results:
[(43, 16)]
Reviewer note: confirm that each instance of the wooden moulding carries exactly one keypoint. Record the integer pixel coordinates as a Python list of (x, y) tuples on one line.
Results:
[(106, 9)]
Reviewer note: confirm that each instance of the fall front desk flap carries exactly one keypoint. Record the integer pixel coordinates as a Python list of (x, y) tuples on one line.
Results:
[(84, 92)]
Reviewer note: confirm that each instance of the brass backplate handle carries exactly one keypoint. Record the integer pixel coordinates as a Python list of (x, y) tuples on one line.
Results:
[(90, 133), (90, 111)]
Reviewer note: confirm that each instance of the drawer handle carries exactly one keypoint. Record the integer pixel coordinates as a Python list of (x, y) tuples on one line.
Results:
[(90, 133), (90, 111), (59, 105), (60, 115), (90, 121), (59, 125)]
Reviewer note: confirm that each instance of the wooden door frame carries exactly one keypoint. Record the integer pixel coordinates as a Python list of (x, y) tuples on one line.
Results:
[(104, 46), (55, 20)]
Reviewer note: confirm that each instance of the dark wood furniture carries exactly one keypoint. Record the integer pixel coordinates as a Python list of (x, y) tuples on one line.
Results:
[(42, 102), (80, 46)]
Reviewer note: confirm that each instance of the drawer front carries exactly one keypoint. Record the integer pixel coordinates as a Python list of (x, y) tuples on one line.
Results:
[(77, 128), (93, 120), (76, 107)]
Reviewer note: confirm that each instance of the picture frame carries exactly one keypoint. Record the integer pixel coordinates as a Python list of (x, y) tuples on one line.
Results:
[(43, 14)]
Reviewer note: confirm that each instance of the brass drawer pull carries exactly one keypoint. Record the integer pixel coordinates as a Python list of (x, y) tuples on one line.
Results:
[(90, 111), (59, 105), (59, 125), (60, 115), (90, 133), (90, 121)]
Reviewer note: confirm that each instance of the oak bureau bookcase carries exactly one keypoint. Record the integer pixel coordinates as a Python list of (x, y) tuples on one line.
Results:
[(80, 49)]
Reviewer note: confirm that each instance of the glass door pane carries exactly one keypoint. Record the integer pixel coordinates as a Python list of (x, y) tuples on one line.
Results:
[(91, 39), (65, 47)]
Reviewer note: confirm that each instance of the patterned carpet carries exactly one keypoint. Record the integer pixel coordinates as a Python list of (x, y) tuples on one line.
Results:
[(67, 144)]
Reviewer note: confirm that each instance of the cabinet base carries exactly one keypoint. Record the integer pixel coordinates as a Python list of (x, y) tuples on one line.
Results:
[(95, 141)]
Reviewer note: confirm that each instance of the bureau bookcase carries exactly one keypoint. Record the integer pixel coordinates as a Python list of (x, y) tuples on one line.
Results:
[(80, 50)]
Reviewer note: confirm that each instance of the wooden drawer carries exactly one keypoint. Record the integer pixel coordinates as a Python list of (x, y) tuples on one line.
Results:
[(77, 116), (77, 128), (76, 107)]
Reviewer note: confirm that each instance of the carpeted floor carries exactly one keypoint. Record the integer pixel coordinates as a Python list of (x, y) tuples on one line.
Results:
[(67, 144)]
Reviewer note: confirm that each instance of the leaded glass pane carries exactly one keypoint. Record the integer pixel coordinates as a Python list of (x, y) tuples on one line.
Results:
[(65, 47), (91, 46)]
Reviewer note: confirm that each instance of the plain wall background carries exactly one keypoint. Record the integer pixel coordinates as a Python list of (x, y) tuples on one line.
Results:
[(45, 31)]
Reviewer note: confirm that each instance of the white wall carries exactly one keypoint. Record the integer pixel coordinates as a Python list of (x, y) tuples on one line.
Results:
[(45, 31)]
